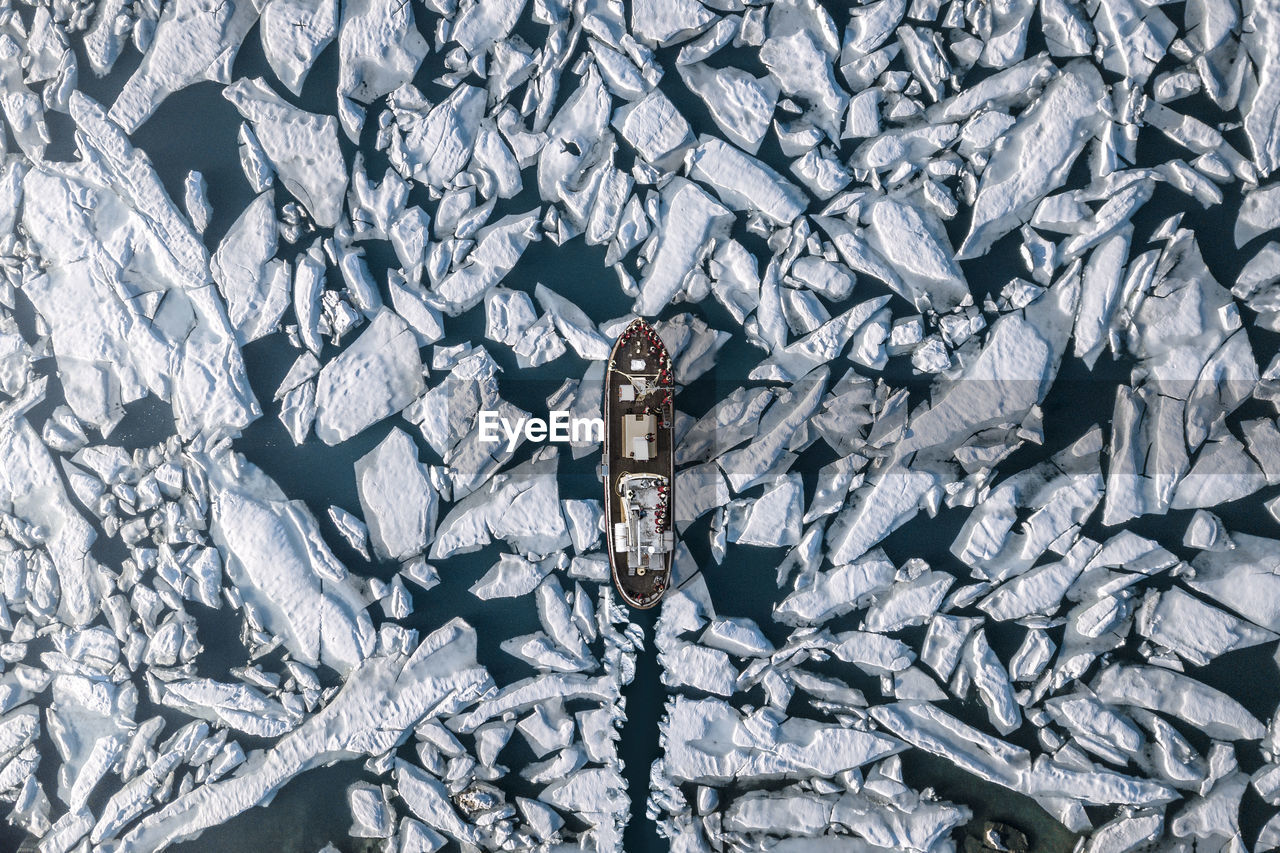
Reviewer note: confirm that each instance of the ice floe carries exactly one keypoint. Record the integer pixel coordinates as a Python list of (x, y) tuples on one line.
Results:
[(377, 376), (397, 498), (302, 146)]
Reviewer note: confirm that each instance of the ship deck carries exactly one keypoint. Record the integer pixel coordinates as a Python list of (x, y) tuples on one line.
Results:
[(636, 362)]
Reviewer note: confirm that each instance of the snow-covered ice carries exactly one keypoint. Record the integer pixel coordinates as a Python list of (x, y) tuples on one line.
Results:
[(396, 496), (976, 440), (377, 376), (302, 146), (273, 551)]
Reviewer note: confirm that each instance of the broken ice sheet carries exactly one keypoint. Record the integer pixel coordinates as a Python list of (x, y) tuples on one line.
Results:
[(741, 104), (380, 702), (1038, 153), (191, 42), (866, 393), (523, 509), (254, 284), (33, 492), (125, 289), (379, 49), (448, 416), (708, 741), (688, 218), (293, 34)]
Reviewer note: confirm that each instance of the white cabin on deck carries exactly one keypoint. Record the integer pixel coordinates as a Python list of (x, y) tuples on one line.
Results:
[(639, 436)]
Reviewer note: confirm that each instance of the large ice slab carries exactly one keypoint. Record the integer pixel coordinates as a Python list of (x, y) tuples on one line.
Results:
[(192, 41), (1039, 153), (1244, 578), (255, 287), (1193, 629), (398, 501), (141, 315), (688, 219), (523, 509), (273, 552), (293, 33), (375, 377), (238, 706), (1204, 707), (746, 466), (33, 493), (708, 741), (741, 104), (937, 732), (914, 242), (744, 183), (435, 142), (379, 49), (573, 324), (302, 146), (448, 415), (1261, 107), (497, 249)]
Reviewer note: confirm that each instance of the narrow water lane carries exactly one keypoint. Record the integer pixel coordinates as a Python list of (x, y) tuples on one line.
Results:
[(639, 746)]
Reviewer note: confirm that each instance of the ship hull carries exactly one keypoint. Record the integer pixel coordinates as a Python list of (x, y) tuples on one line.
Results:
[(639, 466)]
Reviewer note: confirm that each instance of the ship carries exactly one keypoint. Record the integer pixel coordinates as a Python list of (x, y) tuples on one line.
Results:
[(639, 465)]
